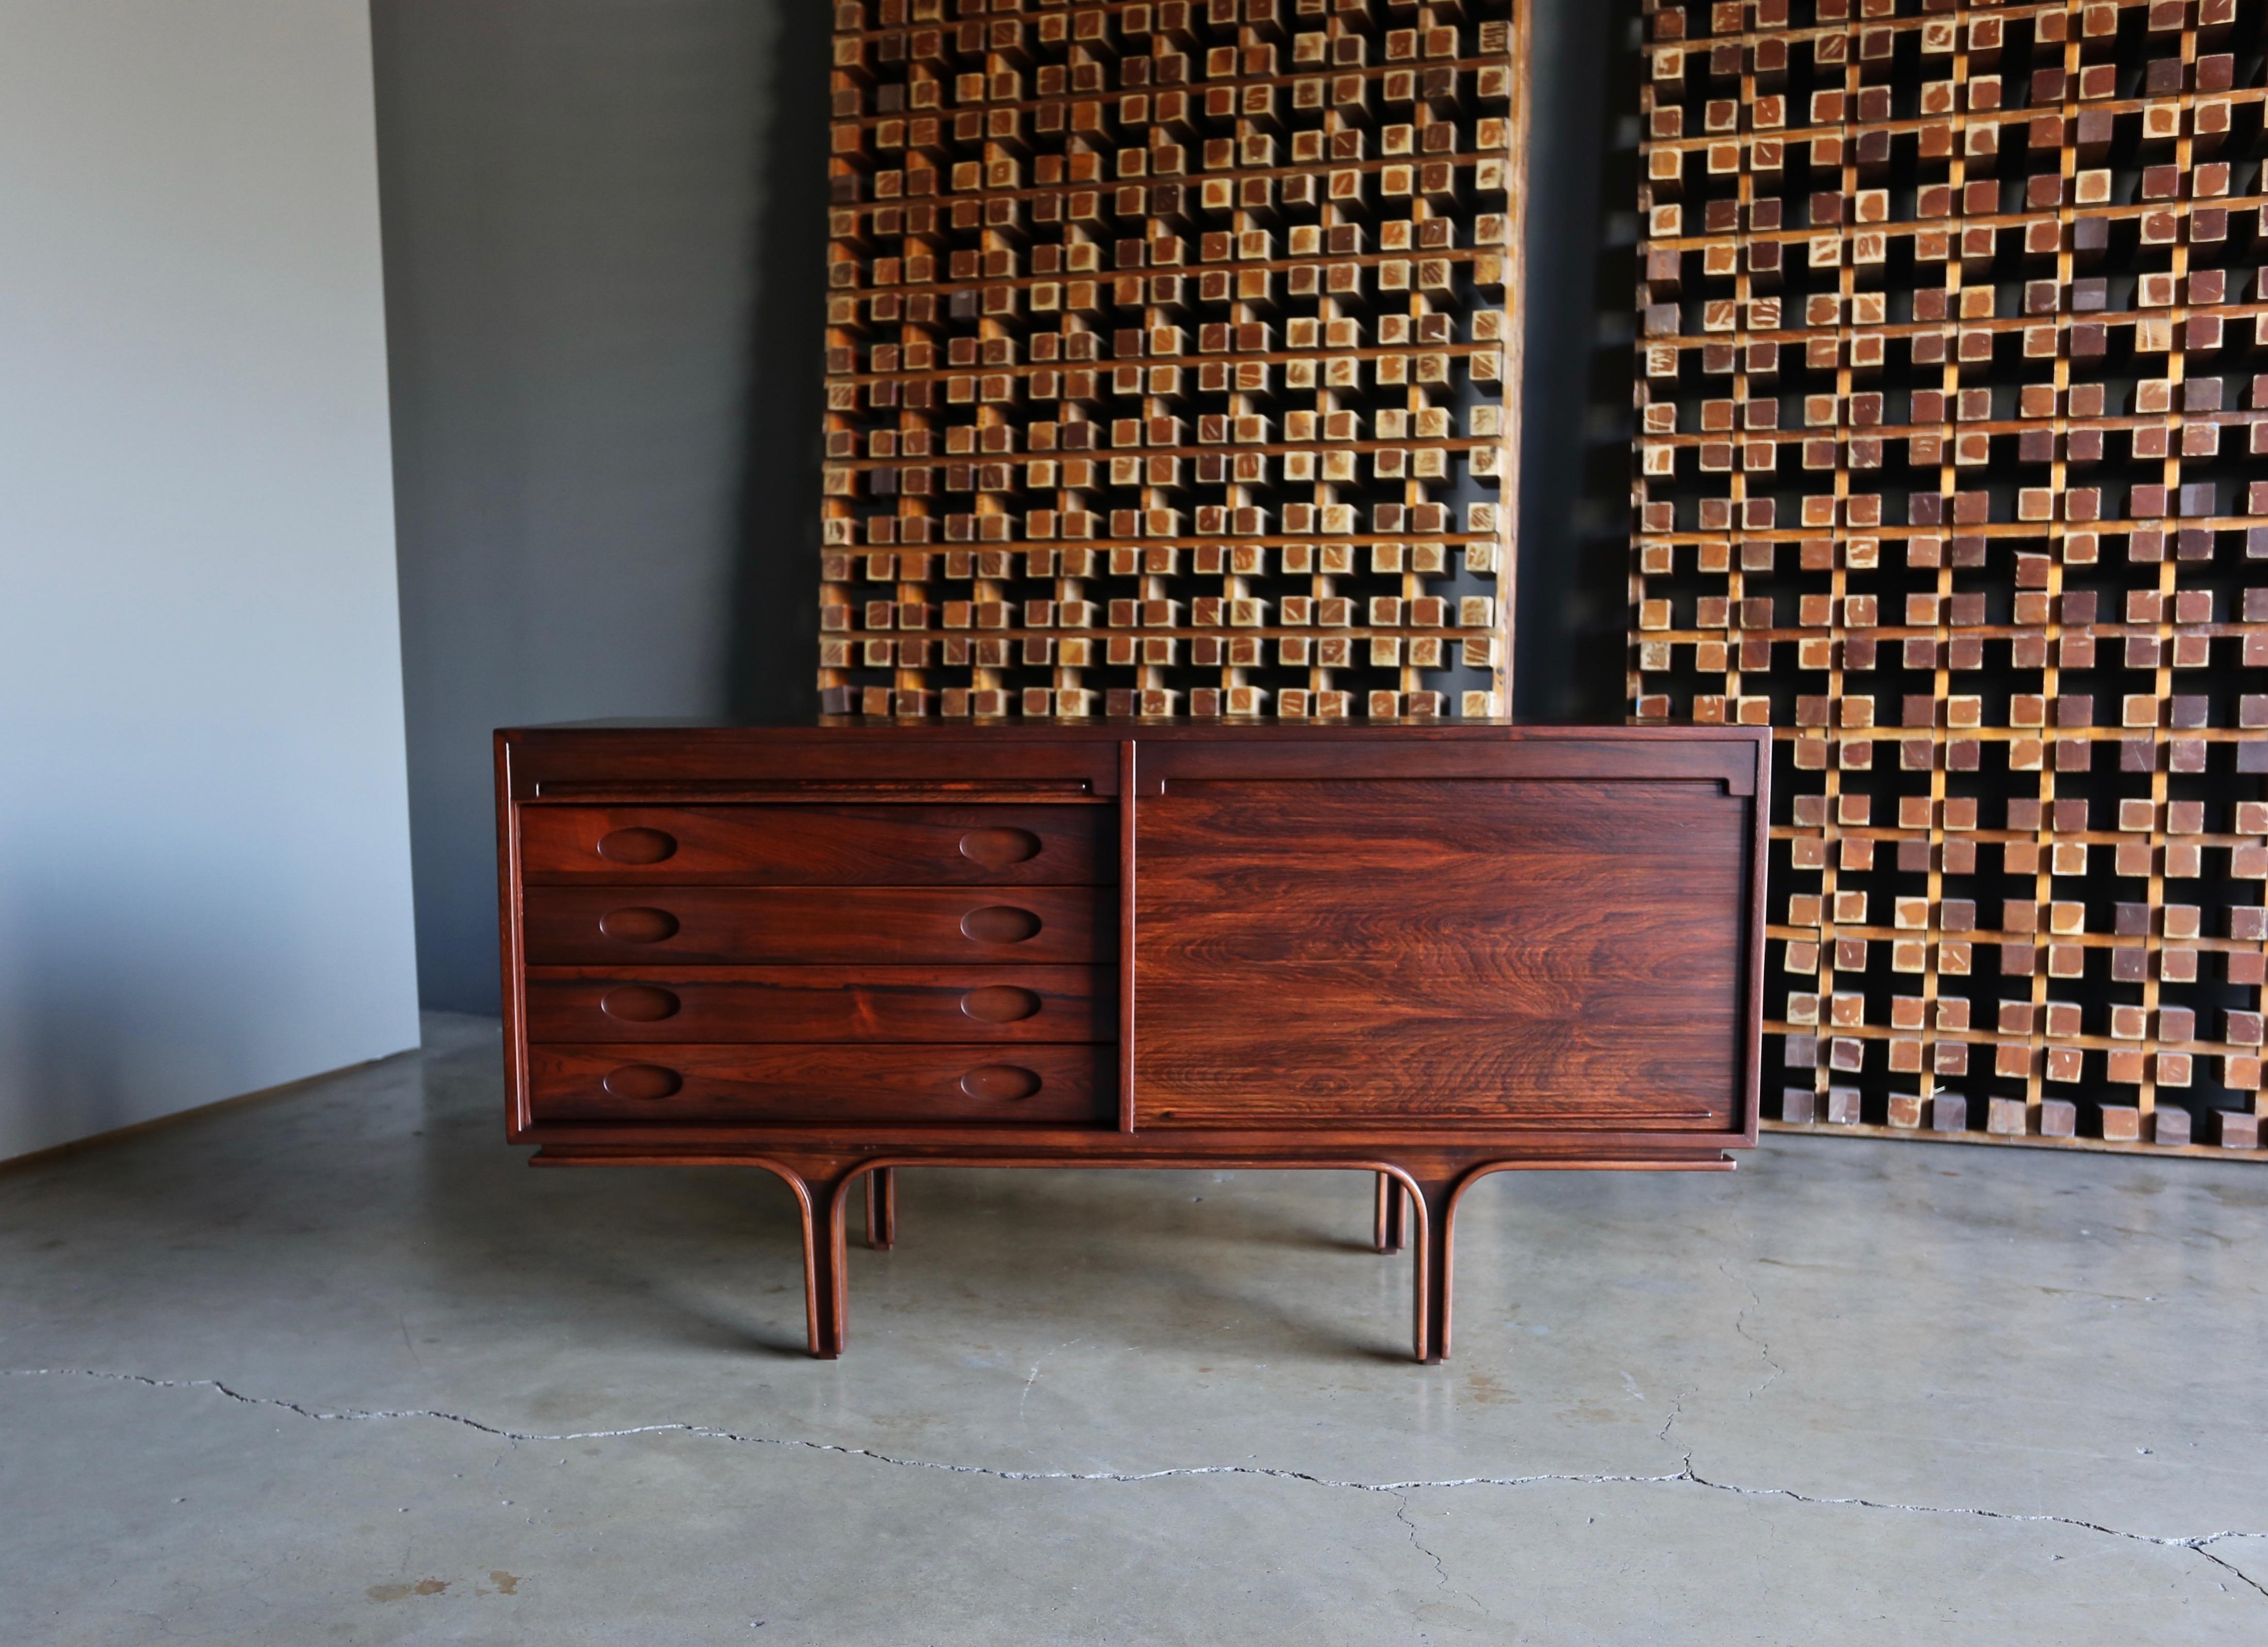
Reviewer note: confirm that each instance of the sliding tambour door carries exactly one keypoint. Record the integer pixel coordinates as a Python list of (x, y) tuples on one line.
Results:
[(1523, 934)]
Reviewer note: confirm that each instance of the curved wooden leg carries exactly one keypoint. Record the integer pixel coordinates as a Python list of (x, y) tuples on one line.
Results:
[(1387, 1220), (882, 1208), (825, 1304), (1436, 1204)]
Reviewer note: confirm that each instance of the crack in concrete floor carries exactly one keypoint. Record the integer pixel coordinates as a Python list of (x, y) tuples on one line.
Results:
[(1440, 1571), (1676, 1412), (1740, 1330), (1684, 1475)]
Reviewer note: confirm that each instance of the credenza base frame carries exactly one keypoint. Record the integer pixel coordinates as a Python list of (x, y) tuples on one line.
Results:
[(1431, 1180)]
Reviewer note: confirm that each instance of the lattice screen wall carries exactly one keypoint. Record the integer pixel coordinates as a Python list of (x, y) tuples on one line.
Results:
[(1170, 366), (1954, 395)]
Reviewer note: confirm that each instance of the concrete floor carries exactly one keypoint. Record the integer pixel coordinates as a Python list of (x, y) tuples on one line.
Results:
[(336, 1368)]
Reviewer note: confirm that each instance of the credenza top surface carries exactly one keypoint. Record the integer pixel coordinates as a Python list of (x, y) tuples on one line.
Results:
[(583, 758), (1143, 730)]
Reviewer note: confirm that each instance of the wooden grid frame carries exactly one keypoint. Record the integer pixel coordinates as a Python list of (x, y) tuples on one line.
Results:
[(1950, 319), (1172, 357)]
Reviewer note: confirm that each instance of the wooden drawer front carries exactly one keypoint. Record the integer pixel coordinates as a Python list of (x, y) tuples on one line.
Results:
[(1513, 954), (824, 1085), (824, 1004), (617, 926), (823, 845)]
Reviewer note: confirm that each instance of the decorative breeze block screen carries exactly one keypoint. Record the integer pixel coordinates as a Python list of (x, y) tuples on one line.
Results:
[(1954, 399), (1171, 364)]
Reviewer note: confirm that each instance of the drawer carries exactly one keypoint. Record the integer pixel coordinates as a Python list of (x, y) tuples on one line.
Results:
[(823, 1003), (614, 926), (824, 1085), (823, 845)]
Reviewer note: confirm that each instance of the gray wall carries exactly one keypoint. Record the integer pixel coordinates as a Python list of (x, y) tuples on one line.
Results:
[(605, 228), (604, 225), (204, 861)]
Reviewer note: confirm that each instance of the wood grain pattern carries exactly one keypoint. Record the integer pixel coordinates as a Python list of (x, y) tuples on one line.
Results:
[(826, 1003), (905, 845), (980, 1085), (1523, 954), (760, 926)]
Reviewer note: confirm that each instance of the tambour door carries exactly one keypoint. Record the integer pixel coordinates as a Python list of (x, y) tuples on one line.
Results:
[(1515, 934)]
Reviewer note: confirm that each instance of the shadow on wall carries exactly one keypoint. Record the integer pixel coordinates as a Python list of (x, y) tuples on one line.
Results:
[(108, 1011), (1570, 646), (604, 245), (776, 596), (66, 1053)]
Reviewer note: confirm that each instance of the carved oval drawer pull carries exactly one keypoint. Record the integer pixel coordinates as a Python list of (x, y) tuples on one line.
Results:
[(639, 1003), (638, 925), (999, 1003), (999, 923), (638, 845), (998, 848), (642, 1083), (1000, 1080)]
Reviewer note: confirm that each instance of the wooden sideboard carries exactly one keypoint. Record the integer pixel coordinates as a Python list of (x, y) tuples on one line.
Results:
[(1429, 952)]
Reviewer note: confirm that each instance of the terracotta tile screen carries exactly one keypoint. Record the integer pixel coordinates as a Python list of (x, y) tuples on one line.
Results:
[(1171, 358), (1954, 399)]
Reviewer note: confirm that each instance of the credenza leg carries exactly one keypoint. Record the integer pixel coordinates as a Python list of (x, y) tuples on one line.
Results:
[(1386, 1217), (824, 1301), (882, 1208), (1437, 1198)]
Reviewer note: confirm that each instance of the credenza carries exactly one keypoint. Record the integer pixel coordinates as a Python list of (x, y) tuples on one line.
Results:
[(1429, 952)]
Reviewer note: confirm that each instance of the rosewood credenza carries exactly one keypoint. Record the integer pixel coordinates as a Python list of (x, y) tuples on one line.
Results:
[(1429, 952)]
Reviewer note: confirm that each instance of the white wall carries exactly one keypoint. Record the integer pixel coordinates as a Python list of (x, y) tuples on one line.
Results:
[(205, 866)]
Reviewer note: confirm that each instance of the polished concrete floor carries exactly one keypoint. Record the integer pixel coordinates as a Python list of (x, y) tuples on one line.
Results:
[(336, 1368)]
